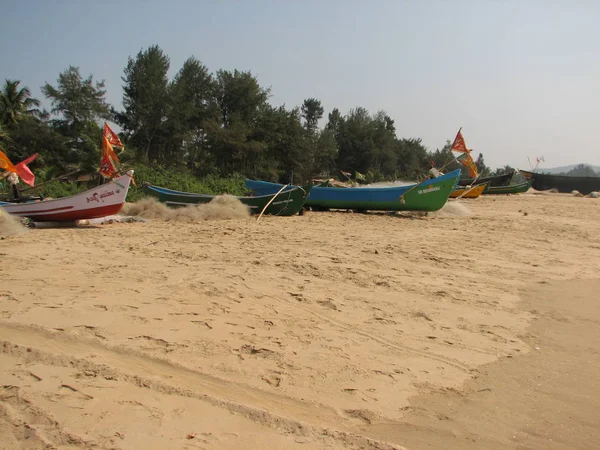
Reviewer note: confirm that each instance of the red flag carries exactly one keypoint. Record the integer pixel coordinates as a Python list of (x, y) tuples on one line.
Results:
[(112, 137), (24, 172), (107, 164), (459, 144)]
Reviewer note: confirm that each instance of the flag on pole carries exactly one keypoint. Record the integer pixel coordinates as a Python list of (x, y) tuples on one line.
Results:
[(24, 172), (5, 163), (466, 160), (112, 137), (108, 168), (460, 146)]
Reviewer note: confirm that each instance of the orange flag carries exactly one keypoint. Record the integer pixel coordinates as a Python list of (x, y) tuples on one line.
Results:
[(112, 137), (466, 160), (5, 163), (108, 168)]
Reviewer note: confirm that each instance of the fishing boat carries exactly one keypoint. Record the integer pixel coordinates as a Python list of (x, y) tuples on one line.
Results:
[(510, 189), (102, 201), (286, 203), (562, 183), (495, 180), (429, 195), (468, 191)]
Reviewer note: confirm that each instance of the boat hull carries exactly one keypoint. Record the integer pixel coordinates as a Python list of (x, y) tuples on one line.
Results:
[(496, 180), (562, 183), (102, 201), (511, 189), (287, 203), (467, 192), (430, 195)]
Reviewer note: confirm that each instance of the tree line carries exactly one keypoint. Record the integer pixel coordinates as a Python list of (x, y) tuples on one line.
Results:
[(203, 123), (581, 170)]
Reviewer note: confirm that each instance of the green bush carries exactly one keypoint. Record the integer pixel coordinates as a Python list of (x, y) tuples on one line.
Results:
[(58, 189), (183, 180)]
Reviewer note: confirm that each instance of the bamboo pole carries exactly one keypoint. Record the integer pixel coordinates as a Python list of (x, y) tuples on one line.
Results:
[(267, 205)]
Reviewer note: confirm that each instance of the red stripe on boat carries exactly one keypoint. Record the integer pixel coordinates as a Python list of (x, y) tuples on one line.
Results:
[(78, 214), (40, 211)]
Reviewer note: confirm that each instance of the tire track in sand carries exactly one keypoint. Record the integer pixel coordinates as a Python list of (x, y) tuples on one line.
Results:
[(37, 344)]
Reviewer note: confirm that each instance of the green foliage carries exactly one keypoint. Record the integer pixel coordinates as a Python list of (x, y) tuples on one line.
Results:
[(312, 112), (203, 132), (33, 136), (58, 189), (146, 102), (581, 170), (76, 101), (77, 105), (482, 169), (183, 180), (503, 170), (16, 104)]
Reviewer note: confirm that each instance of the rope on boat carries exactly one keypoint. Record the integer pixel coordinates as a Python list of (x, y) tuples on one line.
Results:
[(401, 198)]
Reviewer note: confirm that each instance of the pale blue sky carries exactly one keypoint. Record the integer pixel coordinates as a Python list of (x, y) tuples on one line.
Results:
[(521, 77)]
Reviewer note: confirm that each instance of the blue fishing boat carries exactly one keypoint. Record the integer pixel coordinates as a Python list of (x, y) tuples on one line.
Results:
[(429, 195)]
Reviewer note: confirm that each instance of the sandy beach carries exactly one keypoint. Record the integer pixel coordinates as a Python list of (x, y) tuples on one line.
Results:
[(473, 327)]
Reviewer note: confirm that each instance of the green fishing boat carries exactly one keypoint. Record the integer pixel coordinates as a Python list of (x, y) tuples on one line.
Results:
[(511, 189), (428, 195), (286, 203)]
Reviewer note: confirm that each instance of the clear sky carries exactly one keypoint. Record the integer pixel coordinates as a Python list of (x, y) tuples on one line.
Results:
[(522, 77)]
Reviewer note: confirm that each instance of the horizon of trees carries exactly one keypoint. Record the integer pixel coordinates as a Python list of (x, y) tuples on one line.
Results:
[(581, 170), (208, 124)]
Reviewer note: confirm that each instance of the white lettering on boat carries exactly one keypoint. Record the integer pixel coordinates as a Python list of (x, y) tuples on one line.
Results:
[(428, 190), (274, 203)]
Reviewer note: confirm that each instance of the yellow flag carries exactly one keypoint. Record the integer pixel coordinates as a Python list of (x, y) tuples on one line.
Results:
[(466, 160)]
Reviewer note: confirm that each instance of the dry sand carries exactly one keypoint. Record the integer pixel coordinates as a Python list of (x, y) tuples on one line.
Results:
[(463, 329)]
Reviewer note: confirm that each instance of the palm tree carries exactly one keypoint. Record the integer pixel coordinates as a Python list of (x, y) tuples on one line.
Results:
[(16, 103)]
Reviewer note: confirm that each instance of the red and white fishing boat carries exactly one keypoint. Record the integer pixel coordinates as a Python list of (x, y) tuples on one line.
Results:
[(105, 200)]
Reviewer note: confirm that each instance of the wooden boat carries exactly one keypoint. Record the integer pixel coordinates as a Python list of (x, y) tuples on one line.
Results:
[(429, 195), (562, 183), (495, 180), (468, 191), (102, 201), (511, 189), (287, 203)]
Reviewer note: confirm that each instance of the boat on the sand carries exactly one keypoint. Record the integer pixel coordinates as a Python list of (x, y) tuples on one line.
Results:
[(104, 200)]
